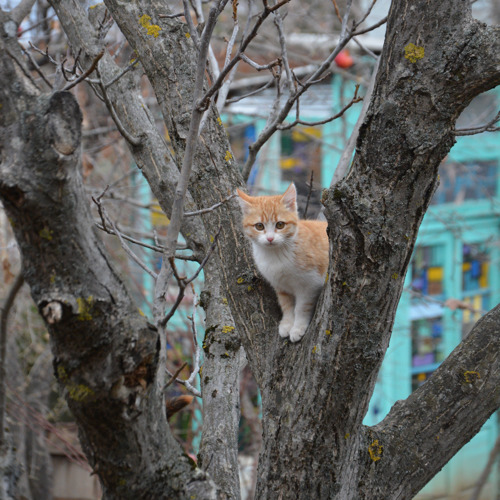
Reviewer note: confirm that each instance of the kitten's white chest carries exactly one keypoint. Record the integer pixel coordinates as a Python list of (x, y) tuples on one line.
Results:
[(279, 267)]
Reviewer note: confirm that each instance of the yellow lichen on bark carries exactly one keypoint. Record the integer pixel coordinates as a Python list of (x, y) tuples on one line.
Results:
[(413, 52), (471, 376), (152, 29), (375, 450), (85, 308)]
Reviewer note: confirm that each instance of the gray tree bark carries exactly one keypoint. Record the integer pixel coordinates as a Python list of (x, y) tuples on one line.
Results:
[(315, 393)]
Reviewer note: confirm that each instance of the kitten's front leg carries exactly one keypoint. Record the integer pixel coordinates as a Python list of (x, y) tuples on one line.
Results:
[(304, 308), (287, 304)]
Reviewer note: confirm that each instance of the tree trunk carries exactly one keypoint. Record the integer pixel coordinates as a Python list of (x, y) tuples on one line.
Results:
[(105, 353)]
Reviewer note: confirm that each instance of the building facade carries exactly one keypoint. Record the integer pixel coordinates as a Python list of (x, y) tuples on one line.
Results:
[(454, 275)]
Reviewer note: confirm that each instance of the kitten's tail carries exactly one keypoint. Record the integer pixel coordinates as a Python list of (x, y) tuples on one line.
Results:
[(176, 404)]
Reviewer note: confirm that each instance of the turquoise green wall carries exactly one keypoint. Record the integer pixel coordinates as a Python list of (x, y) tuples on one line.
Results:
[(448, 225)]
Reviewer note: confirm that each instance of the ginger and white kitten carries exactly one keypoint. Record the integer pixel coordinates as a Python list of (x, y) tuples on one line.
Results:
[(290, 253)]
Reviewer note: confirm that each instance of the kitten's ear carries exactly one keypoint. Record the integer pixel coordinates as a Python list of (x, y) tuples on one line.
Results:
[(289, 198), (244, 200)]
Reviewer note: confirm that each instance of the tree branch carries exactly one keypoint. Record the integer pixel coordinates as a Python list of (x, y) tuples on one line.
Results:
[(21, 11), (437, 419), (9, 302), (487, 470)]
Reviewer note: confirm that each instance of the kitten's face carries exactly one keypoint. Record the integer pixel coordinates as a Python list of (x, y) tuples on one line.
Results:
[(270, 221)]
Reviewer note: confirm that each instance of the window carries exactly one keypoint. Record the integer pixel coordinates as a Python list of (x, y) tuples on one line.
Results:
[(475, 284), (427, 271), (241, 135), (301, 155), (427, 343), (466, 181)]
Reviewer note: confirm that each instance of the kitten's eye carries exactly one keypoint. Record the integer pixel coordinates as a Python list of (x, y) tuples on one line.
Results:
[(259, 226), (280, 225)]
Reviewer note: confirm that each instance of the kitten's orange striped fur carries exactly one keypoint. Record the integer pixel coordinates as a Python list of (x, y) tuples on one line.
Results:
[(290, 253)]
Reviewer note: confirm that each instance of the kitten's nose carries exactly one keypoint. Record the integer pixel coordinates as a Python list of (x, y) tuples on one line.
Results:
[(270, 238)]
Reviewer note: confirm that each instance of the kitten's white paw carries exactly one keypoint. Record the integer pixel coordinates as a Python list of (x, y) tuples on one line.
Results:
[(284, 329), (296, 333)]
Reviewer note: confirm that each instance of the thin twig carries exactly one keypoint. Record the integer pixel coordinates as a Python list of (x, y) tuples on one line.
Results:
[(183, 282), (23, 69), (189, 20), (186, 384), (132, 139), (254, 92), (370, 28), (488, 127), (337, 11), (171, 16), (146, 206), (62, 71), (205, 259), (243, 45), (273, 125), (134, 63), (97, 201), (131, 254), (278, 21), (37, 68), (479, 130), (130, 239), (196, 358), (447, 303), (363, 19), (86, 73), (76, 61), (105, 218), (345, 159), (210, 209), (309, 193), (33, 26), (156, 248), (197, 350), (260, 67), (175, 375), (365, 48), (353, 101), (46, 54), (39, 424)]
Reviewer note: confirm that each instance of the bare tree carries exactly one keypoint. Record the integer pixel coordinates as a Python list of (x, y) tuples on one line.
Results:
[(110, 362)]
